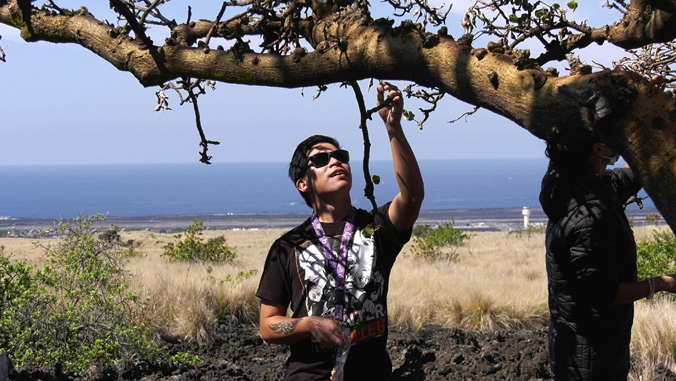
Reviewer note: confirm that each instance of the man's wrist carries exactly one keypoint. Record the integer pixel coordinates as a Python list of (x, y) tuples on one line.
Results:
[(393, 125), (659, 284)]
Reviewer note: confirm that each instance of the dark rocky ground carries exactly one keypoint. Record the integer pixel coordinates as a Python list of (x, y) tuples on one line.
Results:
[(238, 353), (434, 353)]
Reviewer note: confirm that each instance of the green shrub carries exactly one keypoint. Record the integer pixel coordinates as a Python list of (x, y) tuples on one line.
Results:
[(75, 311), (193, 248), (239, 277), (434, 243), (22, 301), (656, 256), (421, 231)]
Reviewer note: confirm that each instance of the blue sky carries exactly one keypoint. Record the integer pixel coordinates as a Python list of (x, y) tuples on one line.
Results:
[(61, 104)]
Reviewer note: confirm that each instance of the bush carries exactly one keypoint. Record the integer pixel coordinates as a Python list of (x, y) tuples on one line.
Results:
[(112, 237), (429, 242), (652, 219), (22, 304), (192, 247), (656, 256), (77, 309), (421, 231)]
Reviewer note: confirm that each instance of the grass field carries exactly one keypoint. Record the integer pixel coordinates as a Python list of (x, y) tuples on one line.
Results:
[(498, 282)]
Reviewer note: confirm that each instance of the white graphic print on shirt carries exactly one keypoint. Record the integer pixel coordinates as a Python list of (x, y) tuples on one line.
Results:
[(364, 285)]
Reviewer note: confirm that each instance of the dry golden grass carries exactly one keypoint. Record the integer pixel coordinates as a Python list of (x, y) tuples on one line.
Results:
[(653, 338), (185, 299), (498, 282)]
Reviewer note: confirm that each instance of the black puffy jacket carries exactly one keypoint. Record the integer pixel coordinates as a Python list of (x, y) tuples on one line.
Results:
[(590, 250)]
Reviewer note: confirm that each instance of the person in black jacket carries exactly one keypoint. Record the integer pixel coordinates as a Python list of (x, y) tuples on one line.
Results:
[(591, 262)]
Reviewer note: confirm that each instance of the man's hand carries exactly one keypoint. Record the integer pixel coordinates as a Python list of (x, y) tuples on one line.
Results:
[(391, 114), (327, 331), (278, 328), (666, 283)]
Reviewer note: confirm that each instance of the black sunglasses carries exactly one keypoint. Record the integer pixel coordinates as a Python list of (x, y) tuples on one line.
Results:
[(323, 158)]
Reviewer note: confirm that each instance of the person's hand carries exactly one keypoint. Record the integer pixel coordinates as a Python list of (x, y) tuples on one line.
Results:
[(327, 332), (391, 114), (668, 283)]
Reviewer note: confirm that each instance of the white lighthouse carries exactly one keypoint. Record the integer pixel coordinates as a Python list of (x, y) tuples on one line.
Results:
[(526, 216)]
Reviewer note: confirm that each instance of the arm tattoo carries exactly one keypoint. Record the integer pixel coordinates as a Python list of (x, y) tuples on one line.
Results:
[(284, 327)]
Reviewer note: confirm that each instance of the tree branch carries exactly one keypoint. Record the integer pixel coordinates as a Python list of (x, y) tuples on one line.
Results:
[(343, 44), (204, 142), (363, 116)]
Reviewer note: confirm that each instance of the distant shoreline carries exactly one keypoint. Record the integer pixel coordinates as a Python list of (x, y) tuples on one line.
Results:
[(495, 219)]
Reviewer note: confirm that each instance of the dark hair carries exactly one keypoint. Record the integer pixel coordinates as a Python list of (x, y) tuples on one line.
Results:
[(299, 161), (572, 158)]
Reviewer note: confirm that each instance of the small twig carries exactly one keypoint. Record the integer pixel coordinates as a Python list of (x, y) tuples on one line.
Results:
[(204, 143), (162, 100), (215, 24), (383, 104), (368, 188), (465, 115), (150, 9), (320, 89)]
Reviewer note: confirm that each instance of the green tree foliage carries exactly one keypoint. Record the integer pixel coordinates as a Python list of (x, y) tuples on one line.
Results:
[(193, 247), (656, 256), (77, 310), (439, 242)]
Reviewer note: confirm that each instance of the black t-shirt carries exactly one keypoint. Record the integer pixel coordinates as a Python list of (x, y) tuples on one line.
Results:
[(297, 274)]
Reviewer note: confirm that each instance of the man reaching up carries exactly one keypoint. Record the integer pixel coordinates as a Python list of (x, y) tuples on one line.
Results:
[(333, 269)]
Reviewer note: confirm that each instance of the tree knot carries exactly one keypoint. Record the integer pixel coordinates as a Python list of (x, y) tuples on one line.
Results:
[(522, 60), (479, 53), (466, 39), (431, 40), (298, 53)]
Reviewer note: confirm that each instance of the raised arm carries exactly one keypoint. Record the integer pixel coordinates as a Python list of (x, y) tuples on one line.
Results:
[(406, 205)]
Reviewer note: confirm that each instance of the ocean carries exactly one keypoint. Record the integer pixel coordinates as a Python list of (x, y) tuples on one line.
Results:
[(236, 188)]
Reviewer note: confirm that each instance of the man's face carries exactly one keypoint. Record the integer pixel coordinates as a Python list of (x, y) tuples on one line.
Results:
[(333, 177)]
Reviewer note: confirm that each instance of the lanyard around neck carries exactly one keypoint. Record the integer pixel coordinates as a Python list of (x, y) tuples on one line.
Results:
[(338, 263)]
